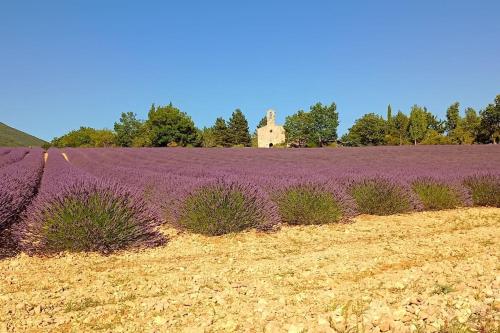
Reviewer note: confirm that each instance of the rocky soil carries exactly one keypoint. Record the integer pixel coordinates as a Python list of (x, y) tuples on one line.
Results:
[(422, 272)]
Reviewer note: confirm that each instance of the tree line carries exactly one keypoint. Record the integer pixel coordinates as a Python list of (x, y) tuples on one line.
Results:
[(168, 126), (423, 127)]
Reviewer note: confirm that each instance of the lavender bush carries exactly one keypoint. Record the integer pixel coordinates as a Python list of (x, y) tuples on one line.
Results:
[(436, 195), (308, 203), (225, 206), (90, 216), (484, 189), (75, 211), (379, 196)]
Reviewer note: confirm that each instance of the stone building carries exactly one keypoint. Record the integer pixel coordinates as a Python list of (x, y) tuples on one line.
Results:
[(271, 134)]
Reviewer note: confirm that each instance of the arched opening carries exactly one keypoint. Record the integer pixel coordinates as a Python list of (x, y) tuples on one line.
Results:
[(270, 145)]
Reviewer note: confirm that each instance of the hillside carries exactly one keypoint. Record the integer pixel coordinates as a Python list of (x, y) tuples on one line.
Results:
[(11, 137)]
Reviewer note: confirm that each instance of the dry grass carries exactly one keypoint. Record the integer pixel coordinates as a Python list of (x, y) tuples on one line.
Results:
[(294, 278)]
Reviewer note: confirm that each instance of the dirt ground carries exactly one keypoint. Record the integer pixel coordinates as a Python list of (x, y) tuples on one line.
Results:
[(406, 273)]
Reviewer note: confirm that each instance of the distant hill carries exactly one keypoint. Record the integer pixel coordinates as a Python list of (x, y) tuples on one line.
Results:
[(11, 137)]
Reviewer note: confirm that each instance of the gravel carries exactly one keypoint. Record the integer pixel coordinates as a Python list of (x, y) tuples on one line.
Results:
[(422, 272)]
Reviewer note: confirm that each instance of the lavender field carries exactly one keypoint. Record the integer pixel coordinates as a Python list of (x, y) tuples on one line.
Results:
[(313, 248), (108, 199)]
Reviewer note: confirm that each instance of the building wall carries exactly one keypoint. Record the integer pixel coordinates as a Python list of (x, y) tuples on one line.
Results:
[(271, 134)]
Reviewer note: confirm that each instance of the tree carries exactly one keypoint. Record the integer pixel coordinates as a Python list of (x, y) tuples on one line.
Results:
[(401, 123), (389, 122), (455, 126), (143, 138), (452, 117), (471, 123), (167, 125), (433, 123), (391, 134), (324, 123), (103, 138), (86, 137), (298, 128), (490, 123), (208, 137), (238, 129), (368, 130), (221, 133), (127, 129), (262, 122), (433, 137), (418, 123)]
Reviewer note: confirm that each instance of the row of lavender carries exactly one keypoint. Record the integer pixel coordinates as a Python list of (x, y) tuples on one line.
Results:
[(19, 179), (11, 155)]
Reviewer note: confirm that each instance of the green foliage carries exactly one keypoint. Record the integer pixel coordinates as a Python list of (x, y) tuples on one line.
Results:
[(489, 131), (433, 123), (127, 129), (432, 137), (485, 190), (220, 133), (143, 138), (255, 141), (389, 123), (103, 138), (436, 196), (208, 139), (452, 117), (461, 130), (167, 125), (369, 130), (401, 123), (306, 205), (11, 137), (324, 123), (86, 137), (100, 222), (238, 131), (471, 123), (460, 135), (379, 197), (417, 124), (214, 211), (298, 128), (315, 128), (396, 128), (262, 122)]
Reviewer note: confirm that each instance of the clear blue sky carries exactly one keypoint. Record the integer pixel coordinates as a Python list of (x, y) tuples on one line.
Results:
[(69, 63)]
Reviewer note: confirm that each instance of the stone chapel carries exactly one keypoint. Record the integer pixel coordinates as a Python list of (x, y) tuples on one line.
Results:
[(271, 134)]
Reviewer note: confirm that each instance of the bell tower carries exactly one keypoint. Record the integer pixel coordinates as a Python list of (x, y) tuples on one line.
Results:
[(271, 117)]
